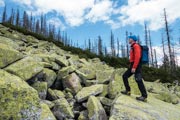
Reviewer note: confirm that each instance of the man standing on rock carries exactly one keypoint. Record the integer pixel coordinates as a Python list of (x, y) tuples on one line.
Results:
[(135, 68)]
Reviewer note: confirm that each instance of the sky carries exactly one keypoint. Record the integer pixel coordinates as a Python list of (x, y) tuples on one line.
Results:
[(84, 19)]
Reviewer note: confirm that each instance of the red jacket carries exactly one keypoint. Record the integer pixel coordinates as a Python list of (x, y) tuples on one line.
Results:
[(135, 54)]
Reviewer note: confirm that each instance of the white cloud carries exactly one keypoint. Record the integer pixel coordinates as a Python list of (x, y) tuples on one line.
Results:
[(2, 3), (73, 11), (100, 11), (57, 22), (77, 12), (138, 11), (159, 53), (25, 2)]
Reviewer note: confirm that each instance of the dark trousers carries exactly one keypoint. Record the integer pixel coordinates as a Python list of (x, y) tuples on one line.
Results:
[(138, 78)]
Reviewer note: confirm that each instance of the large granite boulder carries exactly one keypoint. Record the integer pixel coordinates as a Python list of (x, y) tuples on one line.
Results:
[(55, 94), (25, 68), (41, 88), (72, 82), (18, 100), (46, 113), (127, 108), (95, 109), (85, 92), (62, 109), (8, 55), (49, 76)]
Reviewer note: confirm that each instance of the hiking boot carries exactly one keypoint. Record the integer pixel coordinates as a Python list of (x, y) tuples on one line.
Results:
[(126, 92), (141, 98)]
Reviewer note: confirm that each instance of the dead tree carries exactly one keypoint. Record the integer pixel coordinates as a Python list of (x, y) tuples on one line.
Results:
[(146, 34), (127, 44), (168, 39), (156, 65), (151, 51), (118, 47)]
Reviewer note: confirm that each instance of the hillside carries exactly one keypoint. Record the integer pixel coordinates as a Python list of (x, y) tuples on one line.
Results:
[(41, 81)]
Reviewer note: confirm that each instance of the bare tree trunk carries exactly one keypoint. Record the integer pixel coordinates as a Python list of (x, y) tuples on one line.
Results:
[(113, 51), (150, 43), (156, 65), (127, 45), (100, 47), (168, 39), (146, 34), (17, 18), (146, 39), (4, 17), (118, 47), (165, 65)]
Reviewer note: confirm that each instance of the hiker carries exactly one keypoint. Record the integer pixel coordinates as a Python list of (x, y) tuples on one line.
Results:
[(134, 68)]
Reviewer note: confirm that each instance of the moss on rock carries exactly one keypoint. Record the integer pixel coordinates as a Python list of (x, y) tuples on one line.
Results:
[(95, 109), (62, 109), (85, 92), (41, 88), (25, 68), (18, 100), (8, 55), (46, 113)]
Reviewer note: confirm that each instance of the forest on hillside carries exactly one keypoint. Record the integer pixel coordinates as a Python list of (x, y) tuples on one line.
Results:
[(38, 27)]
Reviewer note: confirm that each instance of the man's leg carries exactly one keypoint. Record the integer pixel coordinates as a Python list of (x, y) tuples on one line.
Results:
[(126, 75), (140, 83)]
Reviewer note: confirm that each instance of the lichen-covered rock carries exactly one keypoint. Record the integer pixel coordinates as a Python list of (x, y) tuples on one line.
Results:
[(154, 87), (127, 108), (25, 68), (55, 94), (91, 82), (50, 104), (65, 71), (46, 113), (105, 91), (72, 82), (31, 39), (105, 101), (18, 100), (95, 109), (84, 61), (85, 92), (115, 85), (103, 76), (8, 55), (62, 109), (89, 72), (168, 97), (61, 60), (9, 42), (41, 88), (49, 76), (83, 115)]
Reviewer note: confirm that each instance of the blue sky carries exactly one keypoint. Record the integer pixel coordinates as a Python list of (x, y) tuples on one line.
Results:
[(84, 19)]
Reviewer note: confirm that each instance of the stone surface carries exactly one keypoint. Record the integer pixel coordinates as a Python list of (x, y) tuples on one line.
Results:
[(127, 108), (62, 109), (18, 99), (87, 91), (25, 68), (41, 88), (8, 55), (95, 109), (72, 82), (55, 94), (46, 113)]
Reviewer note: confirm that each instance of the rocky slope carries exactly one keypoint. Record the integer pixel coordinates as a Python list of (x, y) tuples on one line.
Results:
[(39, 81)]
